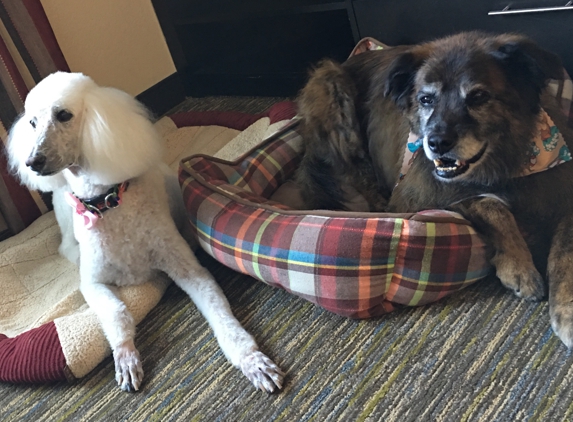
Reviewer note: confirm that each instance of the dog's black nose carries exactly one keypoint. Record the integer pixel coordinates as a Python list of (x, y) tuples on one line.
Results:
[(439, 144), (36, 162)]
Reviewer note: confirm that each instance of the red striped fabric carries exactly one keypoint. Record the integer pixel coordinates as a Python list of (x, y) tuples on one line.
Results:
[(20, 196), (38, 16), (29, 30), (34, 356), (15, 77)]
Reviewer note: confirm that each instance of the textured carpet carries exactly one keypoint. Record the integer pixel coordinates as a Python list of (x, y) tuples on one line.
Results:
[(479, 355)]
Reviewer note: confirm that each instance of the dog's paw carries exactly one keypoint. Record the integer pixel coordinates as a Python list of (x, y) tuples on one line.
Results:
[(262, 372), (562, 322), (128, 369), (520, 276)]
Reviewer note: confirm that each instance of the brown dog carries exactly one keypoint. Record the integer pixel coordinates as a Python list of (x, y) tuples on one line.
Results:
[(475, 102)]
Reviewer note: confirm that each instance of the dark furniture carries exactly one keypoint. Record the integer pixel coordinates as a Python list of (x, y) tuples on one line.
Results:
[(413, 21), (253, 47), (265, 47)]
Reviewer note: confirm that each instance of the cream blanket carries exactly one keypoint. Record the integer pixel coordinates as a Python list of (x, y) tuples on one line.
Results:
[(38, 285)]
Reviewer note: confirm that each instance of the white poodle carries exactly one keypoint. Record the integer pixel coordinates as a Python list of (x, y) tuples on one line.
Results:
[(97, 150)]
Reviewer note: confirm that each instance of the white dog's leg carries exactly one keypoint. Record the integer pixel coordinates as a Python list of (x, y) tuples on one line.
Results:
[(69, 248), (177, 260), (119, 328)]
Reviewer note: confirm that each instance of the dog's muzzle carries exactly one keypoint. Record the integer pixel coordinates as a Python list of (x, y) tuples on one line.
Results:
[(439, 144), (37, 163), (448, 168)]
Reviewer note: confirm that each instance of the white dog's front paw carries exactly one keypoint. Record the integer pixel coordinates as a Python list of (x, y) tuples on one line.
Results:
[(262, 372), (128, 369)]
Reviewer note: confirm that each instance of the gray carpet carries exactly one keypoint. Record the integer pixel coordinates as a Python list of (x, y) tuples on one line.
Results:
[(481, 354)]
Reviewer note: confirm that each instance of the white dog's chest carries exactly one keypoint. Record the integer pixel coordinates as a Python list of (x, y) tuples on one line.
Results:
[(115, 252), (121, 248), (117, 266)]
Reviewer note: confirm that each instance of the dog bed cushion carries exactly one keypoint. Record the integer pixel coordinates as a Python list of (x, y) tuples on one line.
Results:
[(354, 264)]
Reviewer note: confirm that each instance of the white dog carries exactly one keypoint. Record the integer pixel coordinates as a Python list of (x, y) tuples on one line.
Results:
[(98, 151)]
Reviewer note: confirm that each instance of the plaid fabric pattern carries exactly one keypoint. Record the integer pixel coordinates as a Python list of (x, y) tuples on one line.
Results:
[(359, 266), (29, 52)]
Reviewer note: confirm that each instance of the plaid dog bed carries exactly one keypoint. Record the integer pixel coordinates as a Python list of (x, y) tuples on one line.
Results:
[(358, 265)]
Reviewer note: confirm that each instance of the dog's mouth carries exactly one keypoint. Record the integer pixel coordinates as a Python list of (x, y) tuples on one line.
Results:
[(50, 172), (448, 168), (45, 172)]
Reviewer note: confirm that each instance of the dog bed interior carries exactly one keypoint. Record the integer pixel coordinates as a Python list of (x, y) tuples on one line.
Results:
[(354, 264)]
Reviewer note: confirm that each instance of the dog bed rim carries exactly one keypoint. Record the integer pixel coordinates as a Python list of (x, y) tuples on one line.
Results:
[(318, 213), (354, 51)]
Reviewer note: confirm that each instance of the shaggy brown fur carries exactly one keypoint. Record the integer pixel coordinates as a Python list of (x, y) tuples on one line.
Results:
[(474, 98), (336, 171)]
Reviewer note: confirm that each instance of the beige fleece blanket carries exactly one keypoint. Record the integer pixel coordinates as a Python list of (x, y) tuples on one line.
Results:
[(40, 286)]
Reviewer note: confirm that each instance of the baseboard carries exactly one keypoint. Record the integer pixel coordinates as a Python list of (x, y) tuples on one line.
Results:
[(164, 95)]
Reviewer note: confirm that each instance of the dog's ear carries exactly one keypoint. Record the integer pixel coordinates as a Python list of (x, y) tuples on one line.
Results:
[(400, 79), (119, 142), (527, 64)]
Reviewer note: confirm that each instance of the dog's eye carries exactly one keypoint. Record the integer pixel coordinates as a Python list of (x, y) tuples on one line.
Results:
[(64, 116), (33, 123), (477, 98), (426, 100)]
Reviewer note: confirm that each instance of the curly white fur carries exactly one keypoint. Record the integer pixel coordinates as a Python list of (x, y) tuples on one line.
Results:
[(77, 136)]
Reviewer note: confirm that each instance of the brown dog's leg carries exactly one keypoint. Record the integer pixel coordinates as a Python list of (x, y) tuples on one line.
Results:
[(512, 259), (560, 275)]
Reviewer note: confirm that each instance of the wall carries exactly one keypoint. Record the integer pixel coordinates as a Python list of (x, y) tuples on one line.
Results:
[(117, 42)]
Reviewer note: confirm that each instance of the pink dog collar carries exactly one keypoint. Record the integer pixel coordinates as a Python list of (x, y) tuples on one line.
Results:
[(87, 218), (89, 211)]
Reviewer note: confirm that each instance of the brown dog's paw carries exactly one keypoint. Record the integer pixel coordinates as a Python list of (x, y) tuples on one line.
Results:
[(521, 277), (562, 323)]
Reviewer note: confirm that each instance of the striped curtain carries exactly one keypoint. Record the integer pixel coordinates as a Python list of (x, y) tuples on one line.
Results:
[(29, 52)]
